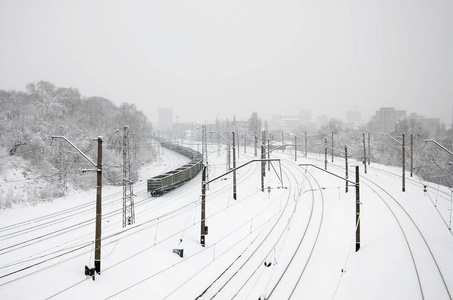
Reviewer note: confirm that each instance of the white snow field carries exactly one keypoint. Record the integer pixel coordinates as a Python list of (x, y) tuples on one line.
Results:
[(294, 240)]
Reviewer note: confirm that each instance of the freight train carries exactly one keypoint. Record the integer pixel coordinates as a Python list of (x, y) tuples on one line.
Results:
[(166, 182)]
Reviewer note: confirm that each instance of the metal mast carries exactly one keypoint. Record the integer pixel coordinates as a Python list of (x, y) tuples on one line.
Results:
[(128, 194), (204, 149)]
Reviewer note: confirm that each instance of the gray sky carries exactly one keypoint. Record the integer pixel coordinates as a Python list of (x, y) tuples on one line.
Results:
[(209, 59)]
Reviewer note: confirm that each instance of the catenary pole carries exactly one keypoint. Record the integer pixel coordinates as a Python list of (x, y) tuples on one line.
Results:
[(404, 162), (234, 167), (412, 153), (346, 166), (357, 209), (204, 228), (97, 253)]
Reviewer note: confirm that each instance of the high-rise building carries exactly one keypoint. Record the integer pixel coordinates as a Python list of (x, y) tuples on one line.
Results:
[(386, 118)]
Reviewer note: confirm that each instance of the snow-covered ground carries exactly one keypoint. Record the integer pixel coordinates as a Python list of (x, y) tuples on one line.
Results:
[(295, 239)]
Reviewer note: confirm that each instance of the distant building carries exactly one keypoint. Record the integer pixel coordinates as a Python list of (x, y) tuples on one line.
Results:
[(322, 120), (165, 119), (431, 124), (386, 118), (305, 117), (353, 116), (281, 122)]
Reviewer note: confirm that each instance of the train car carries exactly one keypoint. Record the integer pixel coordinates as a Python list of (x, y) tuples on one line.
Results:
[(168, 181)]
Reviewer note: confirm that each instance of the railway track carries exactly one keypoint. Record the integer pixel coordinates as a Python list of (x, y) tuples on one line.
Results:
[(251, 267), (44, 234), (430, 284), (305, 248), (251, 256)]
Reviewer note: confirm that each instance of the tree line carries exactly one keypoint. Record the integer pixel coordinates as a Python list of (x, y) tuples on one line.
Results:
[(29, 118)]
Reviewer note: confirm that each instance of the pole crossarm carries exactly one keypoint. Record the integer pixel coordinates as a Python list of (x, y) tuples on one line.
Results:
[(392, 138), (311, 165), (433, 141), (229, 143), (232, 170), (75, 147), (338, 150), (290, 145)]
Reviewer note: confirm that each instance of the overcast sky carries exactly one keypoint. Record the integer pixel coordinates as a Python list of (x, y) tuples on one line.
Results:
[(208, 58)]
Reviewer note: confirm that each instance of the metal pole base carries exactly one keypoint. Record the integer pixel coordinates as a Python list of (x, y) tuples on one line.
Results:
[(357, 247), (97, 266)]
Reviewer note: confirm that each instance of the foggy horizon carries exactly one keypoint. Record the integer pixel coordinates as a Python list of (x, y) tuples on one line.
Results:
[(209, 60)]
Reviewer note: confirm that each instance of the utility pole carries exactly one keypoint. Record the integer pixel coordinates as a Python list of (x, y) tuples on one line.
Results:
[(234, 167), (404, 162), (364, 152), (98, 166), (128, 194), (346, 166), (412, 153), (97, 253), (357, 209), (204, 228), (295, 148), (325, 153), (245, 142)]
